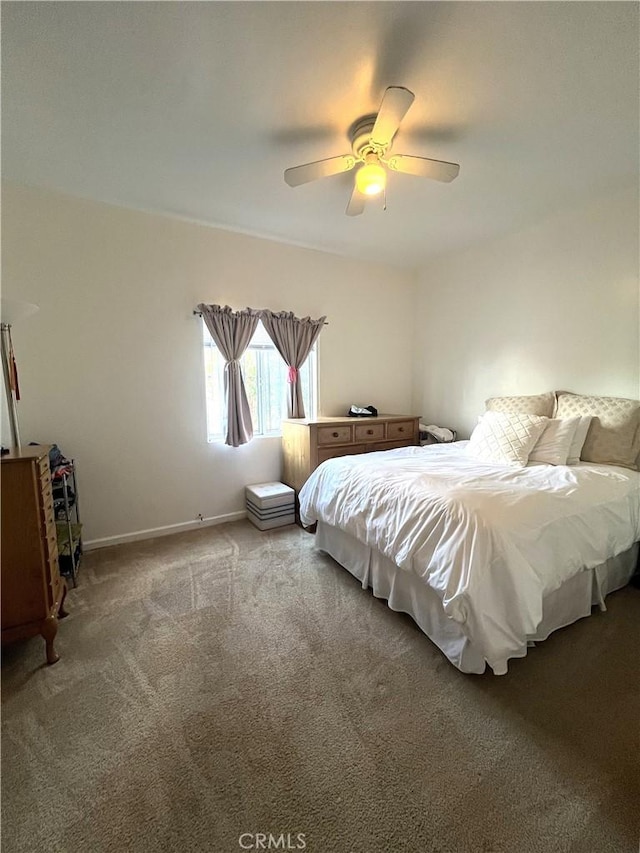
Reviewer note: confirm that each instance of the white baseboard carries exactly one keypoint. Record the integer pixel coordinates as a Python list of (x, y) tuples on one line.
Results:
[(167, 530)]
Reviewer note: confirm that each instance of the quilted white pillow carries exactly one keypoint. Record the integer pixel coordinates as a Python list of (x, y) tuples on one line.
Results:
[(506, 439), (578, 440), (554, 444)]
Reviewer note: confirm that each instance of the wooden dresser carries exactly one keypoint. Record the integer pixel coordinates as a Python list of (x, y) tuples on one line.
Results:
[(306, 443), (32, 590)]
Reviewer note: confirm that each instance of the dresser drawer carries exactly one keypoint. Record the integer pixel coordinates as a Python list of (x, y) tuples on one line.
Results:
[(44, 484), (44, 475), (334, 452), (54, 569), (334, 435), (392, 445), (369, 432), (51, 542), (400, 430), (54, 574), (46, 506)]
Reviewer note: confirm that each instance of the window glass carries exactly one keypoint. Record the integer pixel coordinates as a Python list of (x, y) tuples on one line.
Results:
[(265, 380)]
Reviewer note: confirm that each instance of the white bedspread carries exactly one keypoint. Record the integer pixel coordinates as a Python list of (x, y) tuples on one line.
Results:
[(491, 541)]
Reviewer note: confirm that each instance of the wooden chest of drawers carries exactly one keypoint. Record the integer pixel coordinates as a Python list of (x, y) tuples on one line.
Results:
[(306, 443), (32, 590)]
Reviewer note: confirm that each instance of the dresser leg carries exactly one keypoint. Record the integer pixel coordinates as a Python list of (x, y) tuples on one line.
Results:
[(61, 611), (49, 631)]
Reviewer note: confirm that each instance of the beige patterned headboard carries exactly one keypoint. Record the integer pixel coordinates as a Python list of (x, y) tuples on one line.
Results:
[(614, 434), (538, 404)]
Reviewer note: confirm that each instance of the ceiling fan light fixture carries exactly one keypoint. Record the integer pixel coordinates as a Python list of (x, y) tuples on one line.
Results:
[(371, 139), (371, 178)]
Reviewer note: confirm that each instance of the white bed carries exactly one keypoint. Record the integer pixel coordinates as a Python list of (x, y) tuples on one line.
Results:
[(485, 558)]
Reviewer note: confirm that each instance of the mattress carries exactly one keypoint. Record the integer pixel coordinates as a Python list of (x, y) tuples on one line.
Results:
[(491, 542), (405, 593)]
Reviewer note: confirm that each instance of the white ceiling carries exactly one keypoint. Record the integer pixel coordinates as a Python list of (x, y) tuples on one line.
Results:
[(196, 109)]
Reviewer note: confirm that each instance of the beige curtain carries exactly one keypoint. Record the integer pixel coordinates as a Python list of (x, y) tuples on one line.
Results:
[(293, 338), (232, 331)]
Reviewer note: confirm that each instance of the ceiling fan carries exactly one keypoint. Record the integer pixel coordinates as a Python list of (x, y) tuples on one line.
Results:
[(371, 140)]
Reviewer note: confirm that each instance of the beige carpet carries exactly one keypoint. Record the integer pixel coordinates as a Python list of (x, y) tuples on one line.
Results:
[(228, 681)]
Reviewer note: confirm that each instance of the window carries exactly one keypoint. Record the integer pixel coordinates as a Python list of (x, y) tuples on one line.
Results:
[(265, 381)]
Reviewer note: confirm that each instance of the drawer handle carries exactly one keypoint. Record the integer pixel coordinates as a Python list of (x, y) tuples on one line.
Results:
[(400, 429), (369, 432), (335, 434)]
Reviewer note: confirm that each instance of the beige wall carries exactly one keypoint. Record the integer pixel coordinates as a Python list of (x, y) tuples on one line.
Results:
[(111, 367), (553, 307)]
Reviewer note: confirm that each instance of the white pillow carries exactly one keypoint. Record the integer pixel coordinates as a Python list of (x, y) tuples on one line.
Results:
[(554, 444), (578, 440), (506, 439)]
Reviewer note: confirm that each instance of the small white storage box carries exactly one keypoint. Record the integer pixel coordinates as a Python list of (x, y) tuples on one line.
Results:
[(270, 505)]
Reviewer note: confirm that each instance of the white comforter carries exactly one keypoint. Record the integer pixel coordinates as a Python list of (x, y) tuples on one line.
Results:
[(491, 541)]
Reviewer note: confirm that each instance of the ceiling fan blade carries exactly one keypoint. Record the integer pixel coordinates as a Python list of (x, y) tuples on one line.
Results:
[(356, 203), (318, 169), (439, 170), (395, 103)]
